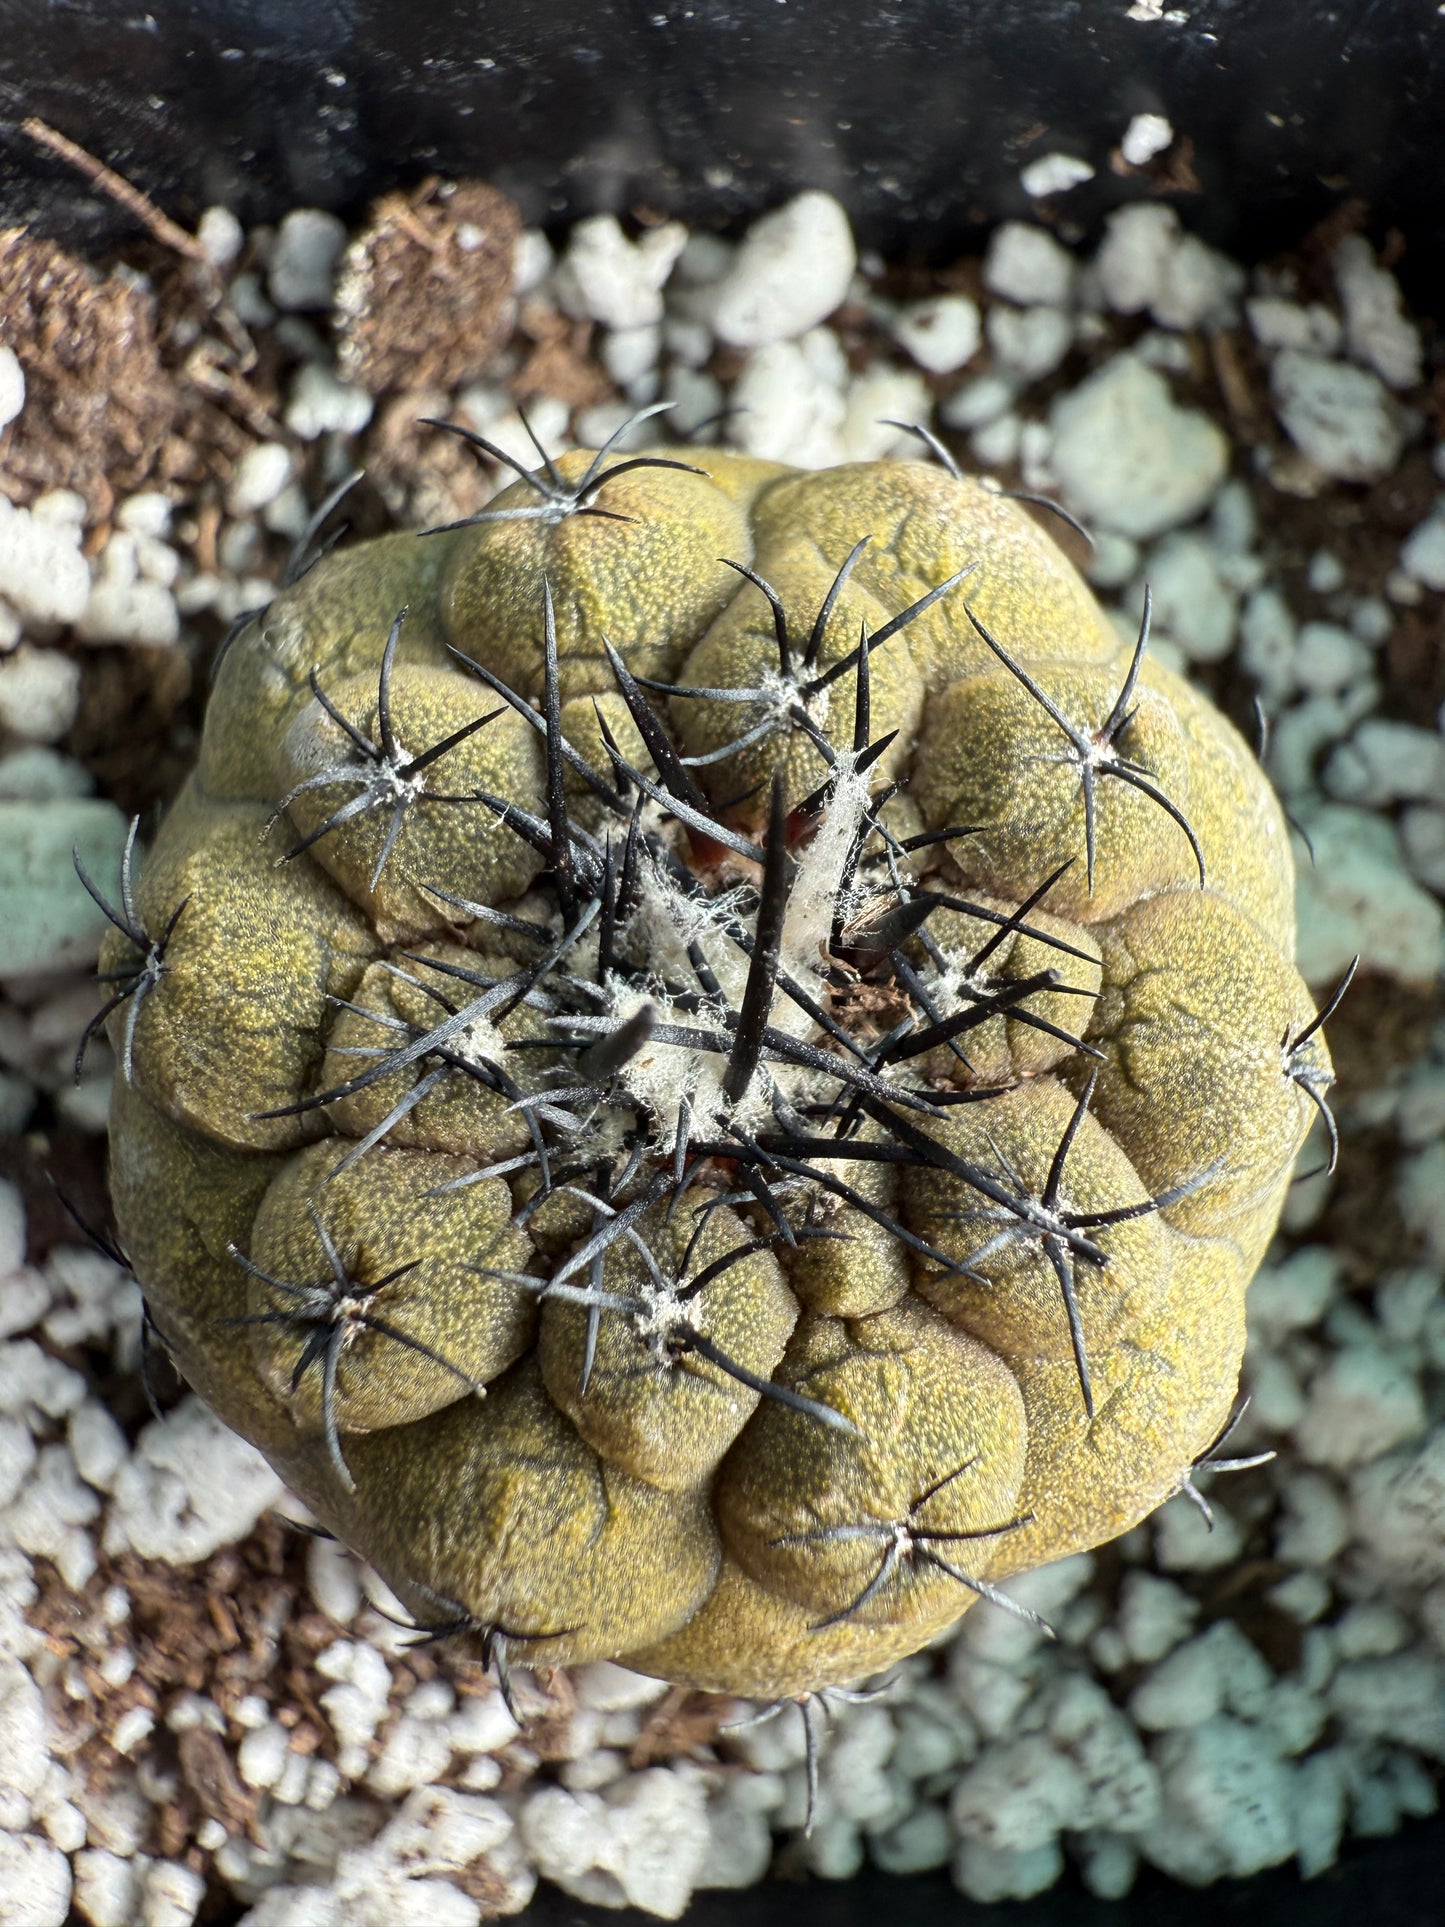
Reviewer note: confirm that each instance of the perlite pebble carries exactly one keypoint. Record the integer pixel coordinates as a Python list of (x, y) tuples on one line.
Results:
[(792, 268), (1314, 1521), (1343, 418), (191, 1487), (1227, 1803), (1387, 762), (303, 260), (1193, 606), (1376, 332), (640, 1843), (1423, 552), (35, 1882), (1401, 1698), (630, 356), (221, 235), (1398, 1514), (605, 277), (1329, 658), (941, 333), (1357, 899), (320, 404), (991, 1873), (1363, 1402), (1326, 572), (172, 1895), (1130, 264), (1029, 343), (12, 386), (43, 575), (1026, 264), (49, 921), (258, 478), (1144, 137), (1018, 1796), (1054, 174), (1422, 837), (1154, 1615), (1277, 323), (97, 1444), (1184, 1541), (1128, 458), (876, 400), (788, 402)]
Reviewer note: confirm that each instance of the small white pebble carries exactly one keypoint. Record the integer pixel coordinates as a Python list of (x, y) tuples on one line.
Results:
[(1028, 343), (261, 1757), (978, 402), (173, 1895), (1192, 604), (1154, 1615), (1144, 137), (303, 262), (1277, 323), (1326, 572), (605, 277), (1329, 658), (1128, 458), (97, 1444), (12, 386), (1423, 552), (1315, 1523), (1343, 418), (320, 405), (941, 333), (1024, 263), (991, 1874), (1053, 174), (221, 235), (1362, 1403), (142, 614), (1184, 1541), (789, 402), (1134, 254), (531, 261), (1370, 1629), (1304, 1596), (258, 478), (792, 268), (332, 1575), (131, 1728), (43, 575), (1387, 762), (630, 354), (39, 692), (1376, 331), (35, 1882)]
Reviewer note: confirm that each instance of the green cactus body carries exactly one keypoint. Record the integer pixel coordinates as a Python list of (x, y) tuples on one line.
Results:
[(705, 1115)]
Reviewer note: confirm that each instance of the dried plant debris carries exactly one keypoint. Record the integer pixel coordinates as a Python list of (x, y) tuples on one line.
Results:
[(646, 996), (424, 296), (101, 408)]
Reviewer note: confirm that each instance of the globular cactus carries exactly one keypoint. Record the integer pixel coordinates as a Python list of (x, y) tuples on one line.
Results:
[(706, 1059)]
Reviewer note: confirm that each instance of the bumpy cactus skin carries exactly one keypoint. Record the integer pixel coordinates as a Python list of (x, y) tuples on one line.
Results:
[(714, 1091)]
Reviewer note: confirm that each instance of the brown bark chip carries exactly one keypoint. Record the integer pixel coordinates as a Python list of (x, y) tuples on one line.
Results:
[(425, 295), (100, 405)]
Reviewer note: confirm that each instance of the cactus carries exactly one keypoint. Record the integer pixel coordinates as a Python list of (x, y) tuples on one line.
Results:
[(705, 1061)]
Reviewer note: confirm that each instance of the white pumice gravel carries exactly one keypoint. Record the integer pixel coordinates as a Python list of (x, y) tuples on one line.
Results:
[(791, 270), (1154, 1732)]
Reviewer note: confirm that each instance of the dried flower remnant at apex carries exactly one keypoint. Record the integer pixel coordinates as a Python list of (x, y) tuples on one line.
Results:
[(682, 1159)]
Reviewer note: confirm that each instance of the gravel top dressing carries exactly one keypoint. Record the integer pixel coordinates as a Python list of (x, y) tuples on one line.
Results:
[(208, 1713)]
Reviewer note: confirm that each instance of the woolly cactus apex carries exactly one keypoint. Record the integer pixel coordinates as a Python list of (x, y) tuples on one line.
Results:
[(705, 1062)]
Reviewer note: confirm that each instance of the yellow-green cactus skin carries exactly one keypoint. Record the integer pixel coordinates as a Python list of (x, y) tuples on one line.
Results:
[(706, 1059)]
